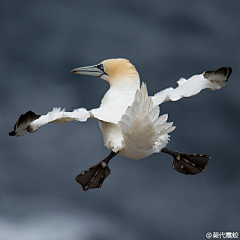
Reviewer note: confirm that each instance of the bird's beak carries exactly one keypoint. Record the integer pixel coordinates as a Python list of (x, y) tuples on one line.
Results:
[(90, 71)]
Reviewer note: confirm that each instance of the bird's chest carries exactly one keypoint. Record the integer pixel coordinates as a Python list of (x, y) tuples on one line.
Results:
[(114, 104)]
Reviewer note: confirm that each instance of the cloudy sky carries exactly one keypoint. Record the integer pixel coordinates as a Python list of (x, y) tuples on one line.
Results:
[(41, 42)]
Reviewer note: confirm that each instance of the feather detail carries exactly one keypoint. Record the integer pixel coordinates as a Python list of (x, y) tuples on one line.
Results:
[(144, 132), (153, 114), (163, 118)]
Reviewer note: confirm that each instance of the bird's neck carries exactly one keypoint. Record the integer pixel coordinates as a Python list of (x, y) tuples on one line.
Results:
[(132, 81)]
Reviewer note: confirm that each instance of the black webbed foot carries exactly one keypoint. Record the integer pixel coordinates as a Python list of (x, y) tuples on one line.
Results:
[(186, 163), (22, 125), (94, 176)]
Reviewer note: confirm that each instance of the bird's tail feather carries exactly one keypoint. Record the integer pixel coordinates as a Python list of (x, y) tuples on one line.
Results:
[(141, 125)]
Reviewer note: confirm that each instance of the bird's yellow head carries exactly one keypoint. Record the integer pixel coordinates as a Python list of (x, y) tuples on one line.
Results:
[(115, 71)]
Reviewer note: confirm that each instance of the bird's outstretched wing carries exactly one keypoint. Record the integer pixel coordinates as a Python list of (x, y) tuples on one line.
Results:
[(212, 80), (30, 122)]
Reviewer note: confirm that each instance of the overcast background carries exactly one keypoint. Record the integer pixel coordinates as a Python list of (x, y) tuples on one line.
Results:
[(41, 42)]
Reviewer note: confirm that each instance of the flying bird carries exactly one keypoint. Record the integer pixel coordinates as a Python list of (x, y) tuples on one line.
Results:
[(129, 118)]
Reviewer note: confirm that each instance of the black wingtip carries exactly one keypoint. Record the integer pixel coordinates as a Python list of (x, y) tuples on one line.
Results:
[(225, 71), (12, 133), (229, 72), (23, 122), (221, 74)]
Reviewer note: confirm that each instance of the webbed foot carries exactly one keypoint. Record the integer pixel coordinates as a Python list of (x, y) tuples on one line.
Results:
[(188, 163), (94, 176)]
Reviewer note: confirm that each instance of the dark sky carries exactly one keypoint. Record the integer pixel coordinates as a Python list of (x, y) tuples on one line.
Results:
[(41, 42)]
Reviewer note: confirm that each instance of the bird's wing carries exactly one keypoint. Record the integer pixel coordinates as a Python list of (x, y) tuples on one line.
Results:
[(30, 122), (144, 132), (212, 80)]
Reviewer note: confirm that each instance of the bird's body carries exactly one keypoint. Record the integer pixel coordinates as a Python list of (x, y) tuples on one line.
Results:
[(133, 142), (128, 118), (140, 131)]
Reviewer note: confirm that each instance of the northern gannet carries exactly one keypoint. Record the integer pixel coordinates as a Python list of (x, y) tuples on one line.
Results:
[(129, 118)]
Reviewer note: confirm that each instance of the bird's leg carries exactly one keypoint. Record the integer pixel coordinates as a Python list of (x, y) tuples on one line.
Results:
[(188, 163), (94, 176)]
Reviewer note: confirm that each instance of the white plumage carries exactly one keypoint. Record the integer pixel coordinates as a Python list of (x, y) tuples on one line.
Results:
[(128, 118), (144, 132)]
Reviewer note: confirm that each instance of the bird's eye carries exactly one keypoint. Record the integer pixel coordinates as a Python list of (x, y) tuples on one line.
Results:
[(100, 66)]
